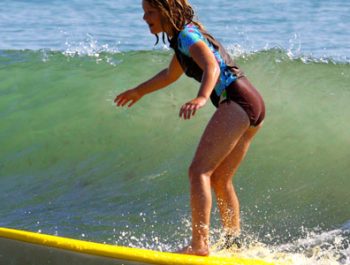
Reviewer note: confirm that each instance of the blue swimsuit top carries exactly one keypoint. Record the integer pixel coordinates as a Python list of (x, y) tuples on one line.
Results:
[(181, 44)]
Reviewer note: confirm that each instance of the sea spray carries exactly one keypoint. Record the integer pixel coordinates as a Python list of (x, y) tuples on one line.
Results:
[(87, 169)]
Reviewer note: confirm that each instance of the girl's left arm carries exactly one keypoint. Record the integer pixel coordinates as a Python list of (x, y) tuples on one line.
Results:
[(206, 60)]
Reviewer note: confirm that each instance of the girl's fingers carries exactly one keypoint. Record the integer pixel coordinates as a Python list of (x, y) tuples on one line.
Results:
[(184, 111), (188, 110), (121, 100), (127, 98), (132, 103)]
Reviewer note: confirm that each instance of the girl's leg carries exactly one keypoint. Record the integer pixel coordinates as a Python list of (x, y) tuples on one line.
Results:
[(228, 124), (221, 182)]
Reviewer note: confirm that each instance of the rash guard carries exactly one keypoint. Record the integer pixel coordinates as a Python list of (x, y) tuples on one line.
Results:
[(182, 42)]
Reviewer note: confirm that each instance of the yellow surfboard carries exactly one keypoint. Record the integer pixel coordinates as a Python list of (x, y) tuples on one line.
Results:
[(28, 248)]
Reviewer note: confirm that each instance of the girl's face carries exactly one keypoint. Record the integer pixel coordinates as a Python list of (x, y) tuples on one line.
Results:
[(152, 17)]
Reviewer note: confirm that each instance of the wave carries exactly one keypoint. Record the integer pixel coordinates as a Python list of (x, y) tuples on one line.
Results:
[(64, 143)]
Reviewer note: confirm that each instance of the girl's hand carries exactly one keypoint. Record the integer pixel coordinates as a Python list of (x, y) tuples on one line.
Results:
[(130, 96), (189, 109)]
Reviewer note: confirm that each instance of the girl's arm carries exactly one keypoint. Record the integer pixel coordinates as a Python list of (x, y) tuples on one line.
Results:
[(159, 81), (206, 60)]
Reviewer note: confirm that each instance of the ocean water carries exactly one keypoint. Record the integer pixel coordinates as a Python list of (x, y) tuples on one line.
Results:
[(72, 164)]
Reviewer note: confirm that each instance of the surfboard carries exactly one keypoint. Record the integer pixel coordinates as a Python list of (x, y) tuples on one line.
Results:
[(29, 248)]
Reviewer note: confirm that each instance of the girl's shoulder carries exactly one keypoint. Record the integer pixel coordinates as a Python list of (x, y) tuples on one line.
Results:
[(190, 29), (189, 36)]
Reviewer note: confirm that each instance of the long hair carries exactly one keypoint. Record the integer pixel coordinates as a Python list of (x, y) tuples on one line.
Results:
[(175, 14)]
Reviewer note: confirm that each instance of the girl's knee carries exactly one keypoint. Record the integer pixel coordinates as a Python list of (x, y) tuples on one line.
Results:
[(197, 174), (221, 184)]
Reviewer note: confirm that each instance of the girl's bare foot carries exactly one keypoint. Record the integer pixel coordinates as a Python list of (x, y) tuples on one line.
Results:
[(189, 250)]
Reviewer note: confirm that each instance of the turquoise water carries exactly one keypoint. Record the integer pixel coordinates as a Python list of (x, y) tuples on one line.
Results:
[(73, 164)]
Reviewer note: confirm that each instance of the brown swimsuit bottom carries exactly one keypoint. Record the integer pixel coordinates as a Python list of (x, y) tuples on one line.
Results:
[(244, 94)]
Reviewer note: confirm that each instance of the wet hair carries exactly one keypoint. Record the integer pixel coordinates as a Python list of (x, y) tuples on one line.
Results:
[(175, 14)]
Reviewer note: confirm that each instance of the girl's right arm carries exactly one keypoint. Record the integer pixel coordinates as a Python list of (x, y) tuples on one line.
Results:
[(159, 81)]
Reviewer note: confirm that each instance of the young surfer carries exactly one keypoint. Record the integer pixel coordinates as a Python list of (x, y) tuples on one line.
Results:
[(226, 139)]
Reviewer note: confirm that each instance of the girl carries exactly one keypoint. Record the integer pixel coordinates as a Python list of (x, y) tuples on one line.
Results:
[(239, 115)]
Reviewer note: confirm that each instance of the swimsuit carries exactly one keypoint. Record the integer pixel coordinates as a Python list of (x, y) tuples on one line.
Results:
[(232, 85)]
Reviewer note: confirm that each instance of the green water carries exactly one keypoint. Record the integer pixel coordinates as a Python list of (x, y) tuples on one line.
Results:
[(73, 164)]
